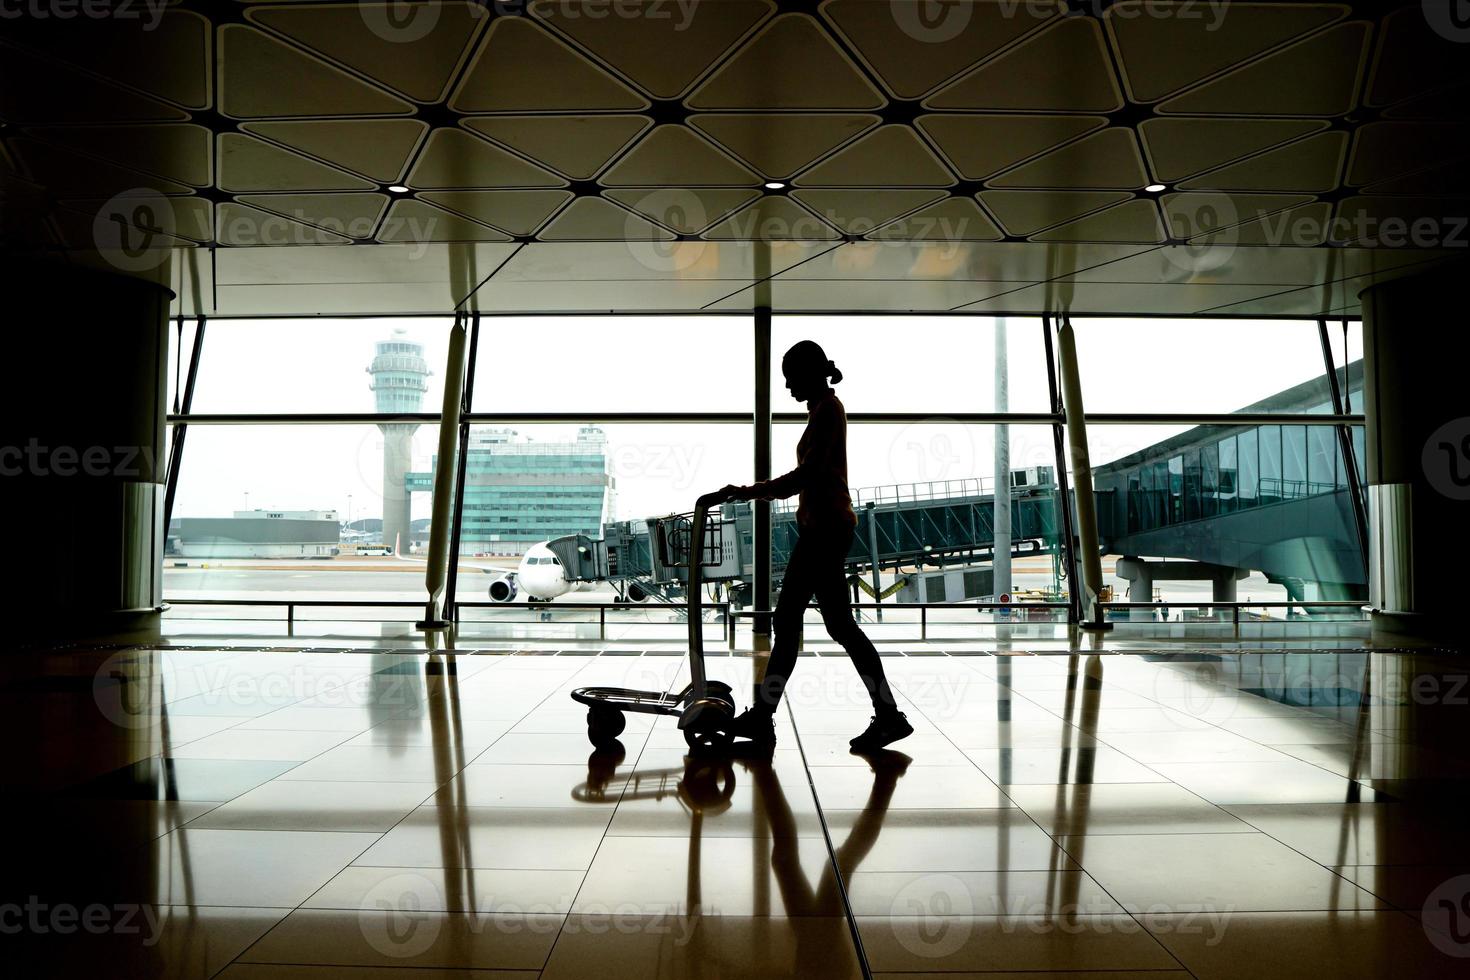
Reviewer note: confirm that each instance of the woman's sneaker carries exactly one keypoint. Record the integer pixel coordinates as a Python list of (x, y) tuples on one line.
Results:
[(884, 730), (758, 727)]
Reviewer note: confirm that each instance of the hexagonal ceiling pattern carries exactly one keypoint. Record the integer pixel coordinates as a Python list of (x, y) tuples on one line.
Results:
[(986, 155)]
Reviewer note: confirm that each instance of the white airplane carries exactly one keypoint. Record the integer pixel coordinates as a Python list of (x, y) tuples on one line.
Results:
[(539, 576)]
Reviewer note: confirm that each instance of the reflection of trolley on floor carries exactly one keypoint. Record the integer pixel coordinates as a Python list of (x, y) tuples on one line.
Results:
[(704, 707)]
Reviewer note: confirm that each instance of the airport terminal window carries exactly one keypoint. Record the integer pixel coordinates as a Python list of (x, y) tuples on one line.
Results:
[(1210, 480), (1191, 485), (1248, 490), (388, 366), (1294, 461), (609, 363), (1228, 475), (1176, 489), (277, 511), (934, 364), (1270, 436), (1197, 366), (1322, 452)]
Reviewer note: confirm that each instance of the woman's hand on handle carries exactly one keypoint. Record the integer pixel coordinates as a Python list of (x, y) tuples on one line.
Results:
[(716, 497)]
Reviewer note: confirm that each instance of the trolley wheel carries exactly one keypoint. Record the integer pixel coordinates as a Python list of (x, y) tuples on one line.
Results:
[(604, 725), (720, 689), (711, 728), (707, 741)]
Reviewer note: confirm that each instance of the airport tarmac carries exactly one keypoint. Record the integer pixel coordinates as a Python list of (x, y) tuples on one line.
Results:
[(360, 579)]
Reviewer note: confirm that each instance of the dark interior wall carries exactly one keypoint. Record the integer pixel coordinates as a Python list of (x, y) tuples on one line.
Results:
[(83, 451)]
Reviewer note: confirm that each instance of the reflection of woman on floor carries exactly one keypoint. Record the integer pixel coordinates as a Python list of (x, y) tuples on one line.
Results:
[(798, 897), (818, 563)]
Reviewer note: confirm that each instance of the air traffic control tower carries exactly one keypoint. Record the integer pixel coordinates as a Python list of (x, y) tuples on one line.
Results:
[(399, 380)]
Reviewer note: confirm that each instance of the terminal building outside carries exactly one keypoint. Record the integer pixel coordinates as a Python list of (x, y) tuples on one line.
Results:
[(520, 491)]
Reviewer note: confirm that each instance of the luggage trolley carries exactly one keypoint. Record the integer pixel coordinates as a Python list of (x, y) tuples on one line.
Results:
[(704, 707)]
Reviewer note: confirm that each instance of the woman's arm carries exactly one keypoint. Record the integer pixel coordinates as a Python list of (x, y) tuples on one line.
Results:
[(821, 433)]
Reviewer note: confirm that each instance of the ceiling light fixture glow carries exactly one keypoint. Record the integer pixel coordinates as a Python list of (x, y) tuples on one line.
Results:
[(1156, 188), (398, 189), (775, 185)]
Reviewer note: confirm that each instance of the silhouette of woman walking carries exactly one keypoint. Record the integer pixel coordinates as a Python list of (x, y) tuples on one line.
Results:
[(818, 562)]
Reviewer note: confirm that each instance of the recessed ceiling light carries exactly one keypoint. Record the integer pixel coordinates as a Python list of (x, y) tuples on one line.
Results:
[(775, 185), (398, 189), (1156, 188)]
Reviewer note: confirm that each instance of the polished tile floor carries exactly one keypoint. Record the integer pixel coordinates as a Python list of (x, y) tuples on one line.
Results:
[(414, 814)]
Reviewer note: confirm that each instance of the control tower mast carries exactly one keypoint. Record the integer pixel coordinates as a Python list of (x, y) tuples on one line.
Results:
[(399, 380)]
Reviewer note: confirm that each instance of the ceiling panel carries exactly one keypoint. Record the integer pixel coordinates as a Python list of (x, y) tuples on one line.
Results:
[(577, 146), (1065, 68), (790, 64), (1095, 297), (644, 261), (1276, 85), (1006, 261), (932, 42), (780, 144), (892, 156), (662, 47), (907, 143), (369, 39), (847, 294), (522, 67), (378, 149), (261, 77), (1165, 47)]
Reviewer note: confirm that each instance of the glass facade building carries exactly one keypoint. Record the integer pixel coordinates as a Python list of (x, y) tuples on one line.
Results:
[(520, 491)]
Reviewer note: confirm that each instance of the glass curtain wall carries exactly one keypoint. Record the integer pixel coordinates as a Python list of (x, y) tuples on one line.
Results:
[(1260, 511), (310, 462)]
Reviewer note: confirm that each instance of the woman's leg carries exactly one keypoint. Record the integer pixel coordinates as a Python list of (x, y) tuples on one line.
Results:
[(796, 592), (830, 588)]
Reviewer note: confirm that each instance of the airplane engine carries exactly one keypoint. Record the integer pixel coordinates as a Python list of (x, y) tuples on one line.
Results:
[(635, 592), (503, 589)]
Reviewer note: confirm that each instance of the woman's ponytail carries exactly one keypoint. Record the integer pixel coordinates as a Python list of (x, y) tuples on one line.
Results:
[(833, 373)]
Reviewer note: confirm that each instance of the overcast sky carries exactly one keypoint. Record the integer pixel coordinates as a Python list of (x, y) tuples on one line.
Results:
[(934, 365)]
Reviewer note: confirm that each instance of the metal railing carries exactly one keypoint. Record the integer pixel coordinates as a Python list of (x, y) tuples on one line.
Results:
[(922, 607), (1235, 607), (728, 616), (291, 605), (903, 493)]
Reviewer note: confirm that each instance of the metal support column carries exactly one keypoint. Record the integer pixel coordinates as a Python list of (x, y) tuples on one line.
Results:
[(1345, 441), (1064, 493), (444, 480), (1093, 615), (176, 446), (1000, 553), (872, 510), (455, 531), (761, 509)]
